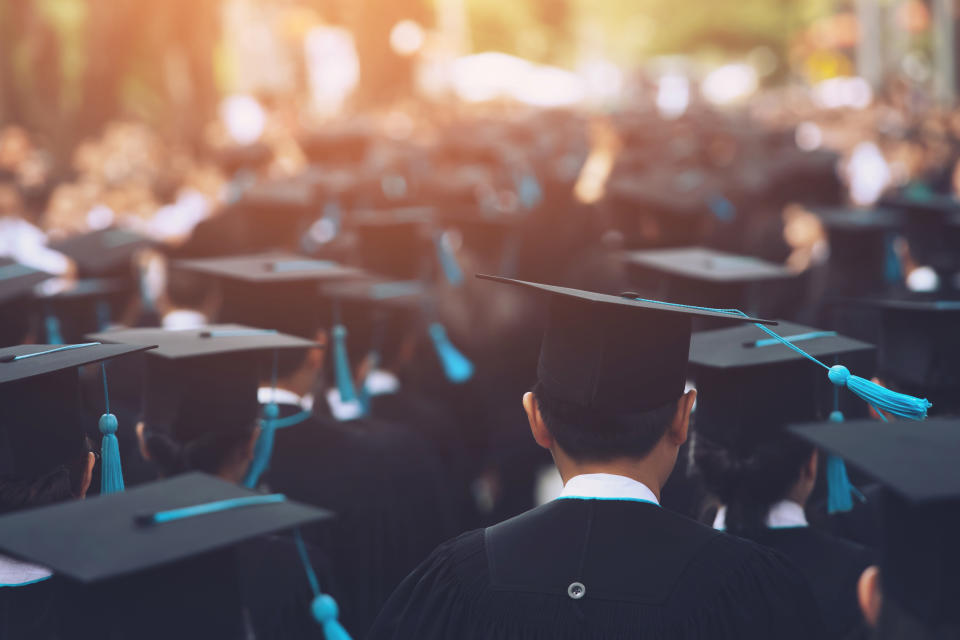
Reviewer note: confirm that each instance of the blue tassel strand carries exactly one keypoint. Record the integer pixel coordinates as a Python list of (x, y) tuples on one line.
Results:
[(839, 489), (456, 366), (263, 449), (341, 365), (111, 472), (448, 261), (323, 608), (52, 326)]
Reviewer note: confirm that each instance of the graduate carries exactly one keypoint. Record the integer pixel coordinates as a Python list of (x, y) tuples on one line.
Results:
[(762, 476), (912, 593), (604, 560), (200, 412), (164, 560), (46, 457)]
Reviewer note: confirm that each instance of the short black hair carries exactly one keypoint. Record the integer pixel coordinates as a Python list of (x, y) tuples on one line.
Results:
[(593, 434)]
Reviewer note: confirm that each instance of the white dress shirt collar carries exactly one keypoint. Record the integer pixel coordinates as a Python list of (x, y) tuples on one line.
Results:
[(786, 514), (17, 573), (266, 395), (607, 486)]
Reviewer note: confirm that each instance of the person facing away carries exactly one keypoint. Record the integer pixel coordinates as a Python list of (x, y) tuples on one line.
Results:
[(604, 560), (761, 475)]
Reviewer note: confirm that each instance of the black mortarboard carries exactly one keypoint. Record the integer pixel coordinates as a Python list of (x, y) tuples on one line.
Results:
[(751, 385), (101, 253), (109, 536), (394, 243), (40, 394), (615, 352), (916, 463), (920, 349), (273, 290), (860, 246), (204, 381), (710, 278)]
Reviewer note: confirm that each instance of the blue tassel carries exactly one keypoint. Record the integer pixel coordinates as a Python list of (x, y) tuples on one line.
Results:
[(365, 399), (341, 365), (52, 325), (456, 366), (263, 449), (528, 191), (892, 269), (111, 472), (325, 611), (881, 398), (722, 209), (839, 489), (448, 261)]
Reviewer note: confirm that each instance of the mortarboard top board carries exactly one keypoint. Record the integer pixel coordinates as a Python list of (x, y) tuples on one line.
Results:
[(69, 538), (859, 220), (211, 340), (102, 252), (394, 243), (280, 195), (615, 352), (784, 386), (377, 291), (268, 268), (85, 288), (706, 277), (58, 358), (916, 463), (18, 280), (708, 265)]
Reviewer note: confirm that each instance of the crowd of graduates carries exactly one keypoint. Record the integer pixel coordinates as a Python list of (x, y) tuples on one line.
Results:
[(192, 332)]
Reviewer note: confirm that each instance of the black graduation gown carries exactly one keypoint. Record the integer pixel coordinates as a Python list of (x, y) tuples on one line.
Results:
[(832, 567), (32, 611), (363, 472), (645, 573)]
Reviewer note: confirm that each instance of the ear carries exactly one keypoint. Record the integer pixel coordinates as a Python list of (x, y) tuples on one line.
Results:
[(87, 476), (680, 426), (869, 595), (142, 441), (537, 427)]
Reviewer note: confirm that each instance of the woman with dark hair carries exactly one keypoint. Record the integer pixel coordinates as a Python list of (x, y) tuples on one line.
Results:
[(761, 477)]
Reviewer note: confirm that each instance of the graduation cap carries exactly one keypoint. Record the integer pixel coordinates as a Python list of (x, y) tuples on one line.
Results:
[(919, 348), (154, 526), (861, 245), (932, 227), (72, 308), (102, 253), (17, 282), (202, 383), (916, 463), (615, 352), (40, 391), (751, 386), (274, 290), (393, 243), (705, 277)]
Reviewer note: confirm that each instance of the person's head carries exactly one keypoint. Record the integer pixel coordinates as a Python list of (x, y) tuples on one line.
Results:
[(200, 415), (298, 370), (778, 468), (580, 437), (67, 481)]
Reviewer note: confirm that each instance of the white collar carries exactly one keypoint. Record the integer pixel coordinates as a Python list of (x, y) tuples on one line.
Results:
[(266, 395), (16, 573), (786, 514), (179, 319), (607, 486)]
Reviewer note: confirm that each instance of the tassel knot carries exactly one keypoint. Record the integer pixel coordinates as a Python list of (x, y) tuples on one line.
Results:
[(836, 416), (839, 375), (108, 424)]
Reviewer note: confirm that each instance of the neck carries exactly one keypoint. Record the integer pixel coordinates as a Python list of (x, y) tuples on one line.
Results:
[(300, 382), (640, 470)]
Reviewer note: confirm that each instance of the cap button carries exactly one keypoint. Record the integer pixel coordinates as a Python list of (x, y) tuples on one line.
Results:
[(576, 590)]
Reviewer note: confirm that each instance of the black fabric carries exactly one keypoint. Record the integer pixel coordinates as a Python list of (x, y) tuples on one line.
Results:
[(100, 253), (384, 490), (648, 573), (34, 612), (832, 567)]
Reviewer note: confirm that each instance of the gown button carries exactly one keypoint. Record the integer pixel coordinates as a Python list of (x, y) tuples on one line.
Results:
[(576, 590)]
